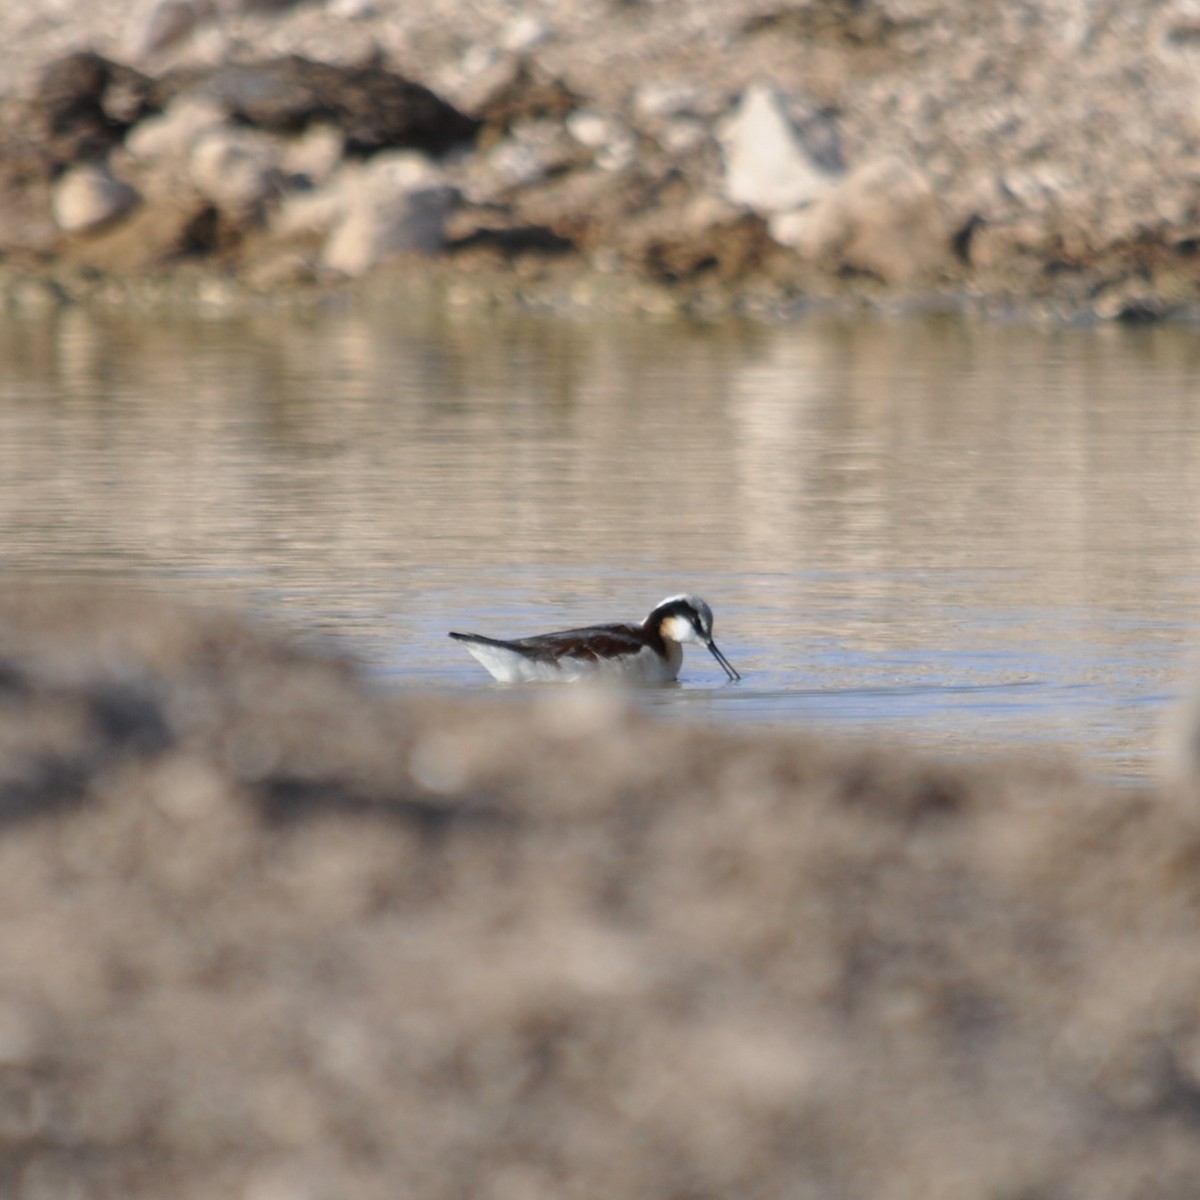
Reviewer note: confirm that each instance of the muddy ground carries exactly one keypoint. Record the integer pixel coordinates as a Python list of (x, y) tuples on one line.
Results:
[(267, 933)]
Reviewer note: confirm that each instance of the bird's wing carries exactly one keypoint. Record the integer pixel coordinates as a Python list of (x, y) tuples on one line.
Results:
[(591, 644)]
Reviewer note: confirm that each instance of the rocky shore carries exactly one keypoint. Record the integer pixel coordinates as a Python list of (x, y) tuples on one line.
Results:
[(755, 156), (269, 934)]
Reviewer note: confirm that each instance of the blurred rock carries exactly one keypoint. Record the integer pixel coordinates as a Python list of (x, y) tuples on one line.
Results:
[(162, 23), (375, 109), (316, 154), (88, 197), (170, 135), (353, 10), (516, 91), (883, 219), (683, 136), (84, 104), (401, 204), (773, 160), (237, 169), (613, 144), (314, 212), (666, 100), (708, 240), (171, 225), (532, 152), (523, 33), (590, 128)]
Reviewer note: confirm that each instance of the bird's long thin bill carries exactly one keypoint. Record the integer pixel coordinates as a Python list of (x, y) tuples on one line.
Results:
[(723, 661)]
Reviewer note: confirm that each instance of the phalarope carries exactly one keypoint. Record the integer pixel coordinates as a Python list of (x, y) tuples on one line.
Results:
[(651, 652)]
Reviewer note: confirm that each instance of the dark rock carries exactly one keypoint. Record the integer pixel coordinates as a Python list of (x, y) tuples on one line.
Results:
[(521, 92), (960, 243), (375, 109), (494, 230), (849, 22), (84, 104), (727, 250)]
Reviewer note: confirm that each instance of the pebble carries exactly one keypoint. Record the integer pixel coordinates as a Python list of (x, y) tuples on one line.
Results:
[(172, 134), (401, 205), (88, 197), (237, 169)]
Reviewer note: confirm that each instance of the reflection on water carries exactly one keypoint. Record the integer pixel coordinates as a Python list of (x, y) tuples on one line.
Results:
[(968, 536)]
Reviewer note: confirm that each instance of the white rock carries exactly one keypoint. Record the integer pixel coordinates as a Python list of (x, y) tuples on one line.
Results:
[(313, 212), (516, 162), (402, 170), (533, 150), (523, 33), (590, 128), (770, 164), (620, 153), (400, 204), (372, 232), (614, 143), (884, 218), (171, 135), (352, 10), (665, 99), (237, 169), (473, 82), (683, 135), (88, 197), (316, 154), (1039, 188)]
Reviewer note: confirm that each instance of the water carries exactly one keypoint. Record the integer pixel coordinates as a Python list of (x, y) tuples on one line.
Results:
[(970, 537)]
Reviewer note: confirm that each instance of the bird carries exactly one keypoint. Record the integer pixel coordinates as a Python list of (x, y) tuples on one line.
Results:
[(651, 652)]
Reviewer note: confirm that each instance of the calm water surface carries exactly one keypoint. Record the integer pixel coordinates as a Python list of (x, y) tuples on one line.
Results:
[(970, 537)]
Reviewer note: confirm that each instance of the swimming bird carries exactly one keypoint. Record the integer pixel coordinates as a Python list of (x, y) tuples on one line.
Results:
[(651, 652)]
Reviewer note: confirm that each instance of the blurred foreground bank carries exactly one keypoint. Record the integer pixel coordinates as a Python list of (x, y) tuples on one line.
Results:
[(267, 933)]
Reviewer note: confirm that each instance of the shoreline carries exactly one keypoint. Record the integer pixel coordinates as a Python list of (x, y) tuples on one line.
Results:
[(572, 290), (747, 159)]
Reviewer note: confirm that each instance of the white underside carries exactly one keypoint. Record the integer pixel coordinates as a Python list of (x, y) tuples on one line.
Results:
[(507, 666)]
